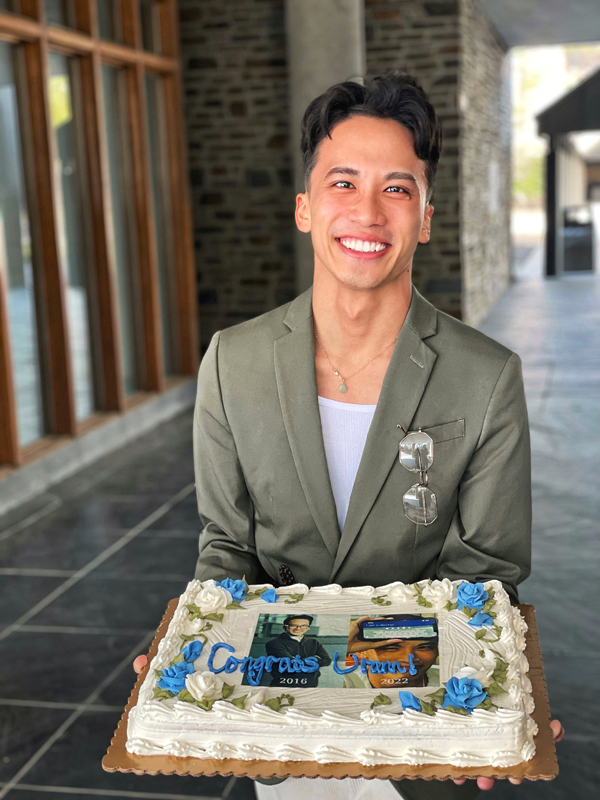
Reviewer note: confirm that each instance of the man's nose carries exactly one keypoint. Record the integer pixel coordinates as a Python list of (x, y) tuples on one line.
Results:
[(367, 210)]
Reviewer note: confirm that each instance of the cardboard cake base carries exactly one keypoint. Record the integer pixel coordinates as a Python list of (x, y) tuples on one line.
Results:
[(543, 766)]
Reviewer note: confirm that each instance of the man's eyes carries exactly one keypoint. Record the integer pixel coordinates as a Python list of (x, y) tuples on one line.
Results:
[(390, 189)]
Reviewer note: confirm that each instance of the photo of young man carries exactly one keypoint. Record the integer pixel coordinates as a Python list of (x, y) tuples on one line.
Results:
[(295, 641), (408, 642)]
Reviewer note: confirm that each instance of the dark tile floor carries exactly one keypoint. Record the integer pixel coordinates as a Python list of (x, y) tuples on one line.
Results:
[(86, 571)]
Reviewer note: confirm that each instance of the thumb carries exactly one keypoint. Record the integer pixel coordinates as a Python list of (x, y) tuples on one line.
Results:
[(139, 663)]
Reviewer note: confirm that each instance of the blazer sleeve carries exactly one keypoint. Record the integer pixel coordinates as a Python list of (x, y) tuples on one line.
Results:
[(226, 545), (490, 533)]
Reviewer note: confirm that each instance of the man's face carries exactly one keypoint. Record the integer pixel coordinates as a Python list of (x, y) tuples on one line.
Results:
[(366, 208), (424, 652), (298, 627)]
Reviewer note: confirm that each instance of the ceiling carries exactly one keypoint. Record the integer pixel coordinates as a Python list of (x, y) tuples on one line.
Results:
[(529, 22)]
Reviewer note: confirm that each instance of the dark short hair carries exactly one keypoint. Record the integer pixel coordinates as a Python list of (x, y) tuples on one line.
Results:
[(287, 620), (393, 95)]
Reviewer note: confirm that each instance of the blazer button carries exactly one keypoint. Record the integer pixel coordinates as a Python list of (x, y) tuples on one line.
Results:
[(286, 576)]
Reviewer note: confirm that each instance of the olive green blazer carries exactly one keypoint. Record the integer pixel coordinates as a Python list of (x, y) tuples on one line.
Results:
[(263, 489)]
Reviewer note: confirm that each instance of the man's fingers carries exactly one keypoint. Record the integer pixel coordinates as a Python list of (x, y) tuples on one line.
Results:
[(460, 781), (485, 783), (557, 730), (139, 663), (516, 781)]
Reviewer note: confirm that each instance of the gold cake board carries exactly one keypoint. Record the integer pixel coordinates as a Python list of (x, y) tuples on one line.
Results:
[(543, 765)]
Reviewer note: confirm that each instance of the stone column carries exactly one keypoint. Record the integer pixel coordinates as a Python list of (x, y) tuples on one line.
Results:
[(325, 45)]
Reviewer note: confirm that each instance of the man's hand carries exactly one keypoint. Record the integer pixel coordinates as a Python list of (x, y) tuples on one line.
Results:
[(558, 733), (139, 663), (356, 645)]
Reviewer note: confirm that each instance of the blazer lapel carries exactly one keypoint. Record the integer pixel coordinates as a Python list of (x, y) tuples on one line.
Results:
[(297, 386), (403, 386)]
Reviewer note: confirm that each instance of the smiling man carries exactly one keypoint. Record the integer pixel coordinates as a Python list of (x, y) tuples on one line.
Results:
[(300, 412)]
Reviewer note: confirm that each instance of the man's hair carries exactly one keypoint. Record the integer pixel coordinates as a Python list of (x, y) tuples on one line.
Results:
[(393, 95), (287, 620)]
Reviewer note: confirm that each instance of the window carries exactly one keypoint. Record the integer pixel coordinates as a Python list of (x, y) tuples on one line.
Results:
[(16, 260), (122, 221), (96, 254)]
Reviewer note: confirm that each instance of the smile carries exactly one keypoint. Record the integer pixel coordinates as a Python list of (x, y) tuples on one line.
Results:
[(361, 247)]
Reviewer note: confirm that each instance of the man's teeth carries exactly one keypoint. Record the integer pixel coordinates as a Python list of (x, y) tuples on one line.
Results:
[(363, 247)]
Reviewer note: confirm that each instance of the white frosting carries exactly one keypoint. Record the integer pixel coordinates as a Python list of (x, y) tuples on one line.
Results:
[(338, 725)]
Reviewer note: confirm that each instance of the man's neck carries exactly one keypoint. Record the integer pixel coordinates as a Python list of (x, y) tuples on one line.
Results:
[(357, 330), (355, 321)]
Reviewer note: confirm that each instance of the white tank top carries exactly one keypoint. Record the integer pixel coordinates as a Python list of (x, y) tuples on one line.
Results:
[(345, 428)]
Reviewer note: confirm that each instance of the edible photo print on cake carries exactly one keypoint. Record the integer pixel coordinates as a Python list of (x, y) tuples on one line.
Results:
[(298, 650), (397, 650)]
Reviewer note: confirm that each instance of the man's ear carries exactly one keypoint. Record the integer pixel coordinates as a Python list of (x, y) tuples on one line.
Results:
[(303, 212), (426, 226)]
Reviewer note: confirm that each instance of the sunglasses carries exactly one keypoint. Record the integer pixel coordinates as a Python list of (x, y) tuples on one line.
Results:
[(416, 455)]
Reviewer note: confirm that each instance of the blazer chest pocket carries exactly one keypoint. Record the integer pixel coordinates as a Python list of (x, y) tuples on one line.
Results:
[(446, 431)]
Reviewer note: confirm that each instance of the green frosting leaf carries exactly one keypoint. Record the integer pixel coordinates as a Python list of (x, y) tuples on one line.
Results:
[(381, 700), (206, 705), (295, 598), (480, 634), (158, 673), (227, 690), (255, 594), (215, 618), (455, 710), (381, 601), (428, 708), (422, 602), (177, 659), (500, 672), (162, 694), (494, 689), (277, 703), (233, 605), (451, 606), (418, 589), (239, 701), (195, 613), (188, 638), (438, 696), (482, 654), (186, 697), (485, 704)]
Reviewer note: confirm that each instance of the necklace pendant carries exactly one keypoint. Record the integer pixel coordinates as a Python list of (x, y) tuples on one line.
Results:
[(343, 387)]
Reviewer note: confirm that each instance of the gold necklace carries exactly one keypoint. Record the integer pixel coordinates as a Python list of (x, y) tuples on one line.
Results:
[(343, 387)]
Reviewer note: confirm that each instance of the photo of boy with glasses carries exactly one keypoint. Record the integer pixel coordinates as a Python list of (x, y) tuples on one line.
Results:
[(294, 641)]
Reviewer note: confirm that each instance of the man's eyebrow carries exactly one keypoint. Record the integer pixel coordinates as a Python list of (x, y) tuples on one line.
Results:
[(391, 176)]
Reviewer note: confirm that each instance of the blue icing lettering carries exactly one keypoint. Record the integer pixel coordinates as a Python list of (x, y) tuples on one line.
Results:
[(411, 664), (231, 664), (311, 664), (215, 648)]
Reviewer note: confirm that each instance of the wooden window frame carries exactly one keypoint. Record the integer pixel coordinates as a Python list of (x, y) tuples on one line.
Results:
[(36, 38)]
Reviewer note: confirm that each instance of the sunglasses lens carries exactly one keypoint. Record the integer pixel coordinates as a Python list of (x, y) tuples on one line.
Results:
[(420, 505), (413, 446)]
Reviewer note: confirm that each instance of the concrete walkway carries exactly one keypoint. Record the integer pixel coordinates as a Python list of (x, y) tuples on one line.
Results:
[(555, 327), (87, 569)]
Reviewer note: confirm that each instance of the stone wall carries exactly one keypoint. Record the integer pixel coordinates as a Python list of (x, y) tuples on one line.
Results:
[(236, 93), (236, 103), (423, 38), (485, 168)]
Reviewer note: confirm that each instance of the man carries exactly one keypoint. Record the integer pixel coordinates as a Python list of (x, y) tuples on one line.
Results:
[(282, 496), (295, 642), (415, 651)]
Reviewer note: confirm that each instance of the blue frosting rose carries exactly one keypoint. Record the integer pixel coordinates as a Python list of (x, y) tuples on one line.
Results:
[(464, 693), (480, 619), (191, 651), (173, 678), (237, 589), (270, 595), (471, 595), (408, 700)]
